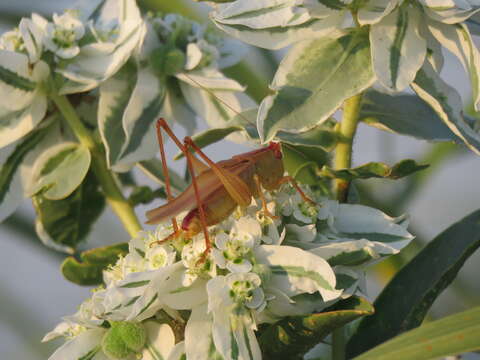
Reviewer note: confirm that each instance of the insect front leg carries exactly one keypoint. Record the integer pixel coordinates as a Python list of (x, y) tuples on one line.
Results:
[(265, 210), (162, 123), (292, 181), (201, 209)]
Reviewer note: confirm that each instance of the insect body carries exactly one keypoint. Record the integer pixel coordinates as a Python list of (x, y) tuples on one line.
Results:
[(218, 188)]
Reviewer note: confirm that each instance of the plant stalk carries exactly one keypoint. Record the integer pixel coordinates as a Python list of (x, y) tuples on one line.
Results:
[(113, 194), (338, 344), (343, 151)]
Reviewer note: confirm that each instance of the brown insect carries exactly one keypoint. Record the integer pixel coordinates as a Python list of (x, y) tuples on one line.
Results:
[(217, 188)]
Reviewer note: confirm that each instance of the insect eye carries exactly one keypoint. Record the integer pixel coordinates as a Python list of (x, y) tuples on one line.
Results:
[(277, 151)]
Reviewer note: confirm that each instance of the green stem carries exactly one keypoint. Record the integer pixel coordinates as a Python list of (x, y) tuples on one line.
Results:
[(343, 151), (338, 344), (110, 188)]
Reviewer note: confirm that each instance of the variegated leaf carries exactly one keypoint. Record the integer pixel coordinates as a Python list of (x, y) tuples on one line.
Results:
[(457, 39), (60, 170), (398, 50), (313, 81), (447, 103)]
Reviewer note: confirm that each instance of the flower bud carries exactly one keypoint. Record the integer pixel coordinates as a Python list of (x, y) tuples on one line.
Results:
[(133, 335), (167, 60), (114, 346)]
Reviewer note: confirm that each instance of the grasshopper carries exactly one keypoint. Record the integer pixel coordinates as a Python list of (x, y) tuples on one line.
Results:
[(217, 188)]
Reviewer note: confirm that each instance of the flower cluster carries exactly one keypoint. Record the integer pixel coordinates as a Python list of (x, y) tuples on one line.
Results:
[(261, 269)]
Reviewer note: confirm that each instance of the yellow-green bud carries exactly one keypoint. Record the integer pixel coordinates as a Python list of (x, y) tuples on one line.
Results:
[(133, 335), (167, 60), (113, 345)]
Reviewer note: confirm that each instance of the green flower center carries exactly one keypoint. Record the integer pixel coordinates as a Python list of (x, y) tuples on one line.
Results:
[(242, 291), (64, 38)]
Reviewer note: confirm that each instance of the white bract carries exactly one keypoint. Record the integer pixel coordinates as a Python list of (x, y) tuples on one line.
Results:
[(243, 282), (63, 34)]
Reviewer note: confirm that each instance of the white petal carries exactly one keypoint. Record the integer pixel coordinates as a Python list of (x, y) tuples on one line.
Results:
[(86, 343), (295, 271), (360, 219), (160, 341), (194, 55), (244, 267), (198, 335)]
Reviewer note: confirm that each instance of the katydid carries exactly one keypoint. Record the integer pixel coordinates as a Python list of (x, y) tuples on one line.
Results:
[(217, 188)]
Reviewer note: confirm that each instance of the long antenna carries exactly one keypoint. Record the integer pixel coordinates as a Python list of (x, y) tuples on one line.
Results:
[(238, 113)]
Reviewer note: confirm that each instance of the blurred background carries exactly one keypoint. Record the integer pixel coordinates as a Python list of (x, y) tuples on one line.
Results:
[(34, 295)]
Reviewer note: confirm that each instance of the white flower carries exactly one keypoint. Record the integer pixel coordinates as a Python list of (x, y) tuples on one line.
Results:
[(33, 32), (12, 41), (63, 34), (245, 290), (160, 256), (231, 299), (234, 251), (118, 30), (196, 265), (293, 204)]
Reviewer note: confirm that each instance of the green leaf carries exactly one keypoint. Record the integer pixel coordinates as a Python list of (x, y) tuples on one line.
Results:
[(153, 169), (322, 136), (13, 79), (406, 115), (451, 335), (313, 81), (303, 162), (447, 103), (375, 170), (68, 221), (88, 271), (211, 136), (60, 170), (10, 193), (292, 337), (145, 195), (403, 303)]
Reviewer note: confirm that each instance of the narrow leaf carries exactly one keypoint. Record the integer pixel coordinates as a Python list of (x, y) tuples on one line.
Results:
[(313, 81), (403, 303), (88, 271), (375, 170), (451, 335), (292, 337)]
